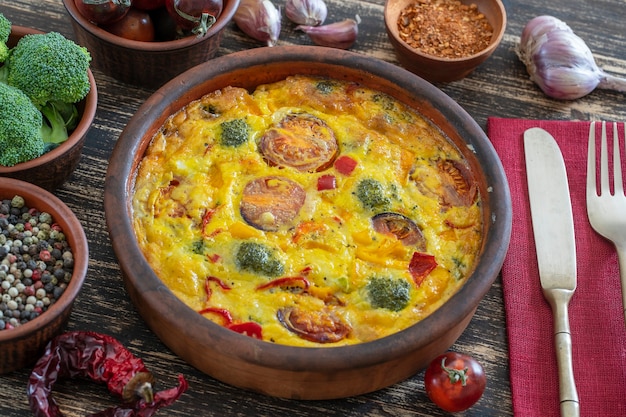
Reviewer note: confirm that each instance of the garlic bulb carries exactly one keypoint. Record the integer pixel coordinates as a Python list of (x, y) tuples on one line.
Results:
[(560, 62), (306, 12), (336, 35), (259, 19)]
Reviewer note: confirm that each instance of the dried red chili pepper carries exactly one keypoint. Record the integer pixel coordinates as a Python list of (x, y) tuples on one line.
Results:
[(101, 358)]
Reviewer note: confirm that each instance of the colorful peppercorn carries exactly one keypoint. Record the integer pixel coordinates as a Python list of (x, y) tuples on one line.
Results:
[(36, 262)]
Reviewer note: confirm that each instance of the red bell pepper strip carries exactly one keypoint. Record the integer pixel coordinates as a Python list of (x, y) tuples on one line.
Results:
[(326, 182), (420, 266), (207, 286), (249, 328), (345, 165), (103, 359), (222, 312), (286, 282), (206, 219)]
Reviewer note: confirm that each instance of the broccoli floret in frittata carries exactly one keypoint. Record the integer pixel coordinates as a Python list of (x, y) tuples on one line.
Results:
[(390, 293), (234, 132), (372, 195), (257, 258)]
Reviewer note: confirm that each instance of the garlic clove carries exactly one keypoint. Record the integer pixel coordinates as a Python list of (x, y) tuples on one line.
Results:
[(539, 26), (560, 62), (259, 19), (340, 35), (306, 12)]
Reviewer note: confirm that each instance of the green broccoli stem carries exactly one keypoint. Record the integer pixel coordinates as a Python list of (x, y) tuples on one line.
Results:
[(58, 120)]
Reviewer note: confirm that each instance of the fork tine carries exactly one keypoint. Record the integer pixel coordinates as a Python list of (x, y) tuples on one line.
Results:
[(591, 161), (617, 163), (604, 163)]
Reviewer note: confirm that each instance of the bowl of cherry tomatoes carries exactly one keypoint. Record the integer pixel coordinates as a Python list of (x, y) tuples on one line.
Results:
[(148, 42)]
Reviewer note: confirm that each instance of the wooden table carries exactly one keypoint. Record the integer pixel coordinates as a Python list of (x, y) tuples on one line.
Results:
[(500, 87)]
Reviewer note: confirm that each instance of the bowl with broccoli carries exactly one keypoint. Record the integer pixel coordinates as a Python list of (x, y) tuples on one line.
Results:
[(45, 111)]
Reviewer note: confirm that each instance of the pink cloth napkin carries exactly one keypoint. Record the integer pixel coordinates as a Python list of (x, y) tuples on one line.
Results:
[(596, 319)]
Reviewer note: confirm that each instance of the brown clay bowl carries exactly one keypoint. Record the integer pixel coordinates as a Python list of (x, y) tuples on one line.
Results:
[(147, 64), (22, 345), (296, 372), (437, 69), (53, 168)]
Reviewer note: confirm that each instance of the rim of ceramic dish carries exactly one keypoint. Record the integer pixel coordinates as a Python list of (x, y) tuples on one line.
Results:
[(84, 124), (228, 11), (187, 87), (495, 39), (75, 233)]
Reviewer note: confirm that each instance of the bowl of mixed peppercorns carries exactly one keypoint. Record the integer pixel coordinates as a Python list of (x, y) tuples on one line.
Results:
[(444, 40), (43, 264), (148, 42), (48, 101)]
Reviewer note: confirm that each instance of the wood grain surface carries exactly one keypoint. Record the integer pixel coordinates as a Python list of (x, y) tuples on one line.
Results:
[(499, 87)]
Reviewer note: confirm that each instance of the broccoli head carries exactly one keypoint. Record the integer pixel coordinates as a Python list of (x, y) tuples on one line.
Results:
[(20, 127), (49, 68), (390, 293), (5, 31), (234, 132), (258, 258), (372, 195)]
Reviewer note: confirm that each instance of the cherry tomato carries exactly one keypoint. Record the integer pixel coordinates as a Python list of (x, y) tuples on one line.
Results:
[(136, 25), (454, 381), (164, 25), (103, 12), (196, 16), (148, 4)]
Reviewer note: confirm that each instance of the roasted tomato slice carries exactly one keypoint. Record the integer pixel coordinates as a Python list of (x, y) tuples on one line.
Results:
[(315, 326), (401, 227), (459, 189), (271, 202), (453, 185), (301, 141)]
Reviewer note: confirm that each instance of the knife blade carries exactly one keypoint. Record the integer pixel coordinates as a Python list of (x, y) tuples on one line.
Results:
[(553, 230)]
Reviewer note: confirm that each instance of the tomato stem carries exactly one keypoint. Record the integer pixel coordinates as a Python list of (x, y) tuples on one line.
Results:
[(455, 375)]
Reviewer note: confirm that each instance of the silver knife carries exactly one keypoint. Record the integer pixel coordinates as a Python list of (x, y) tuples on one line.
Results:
[(553, 228)]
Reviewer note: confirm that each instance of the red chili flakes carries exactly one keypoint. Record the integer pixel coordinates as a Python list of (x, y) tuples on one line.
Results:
[(444, 28)]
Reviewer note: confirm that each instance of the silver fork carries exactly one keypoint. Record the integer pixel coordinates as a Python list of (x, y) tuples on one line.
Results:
[(606, 211)]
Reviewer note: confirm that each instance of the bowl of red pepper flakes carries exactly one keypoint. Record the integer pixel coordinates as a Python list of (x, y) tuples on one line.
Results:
[(444, 40), (22, 341)]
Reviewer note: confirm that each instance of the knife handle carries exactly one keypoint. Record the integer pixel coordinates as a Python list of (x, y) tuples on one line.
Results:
[(559, 300)]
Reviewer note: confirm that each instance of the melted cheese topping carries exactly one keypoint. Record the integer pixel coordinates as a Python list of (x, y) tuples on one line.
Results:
[(188, 218)]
